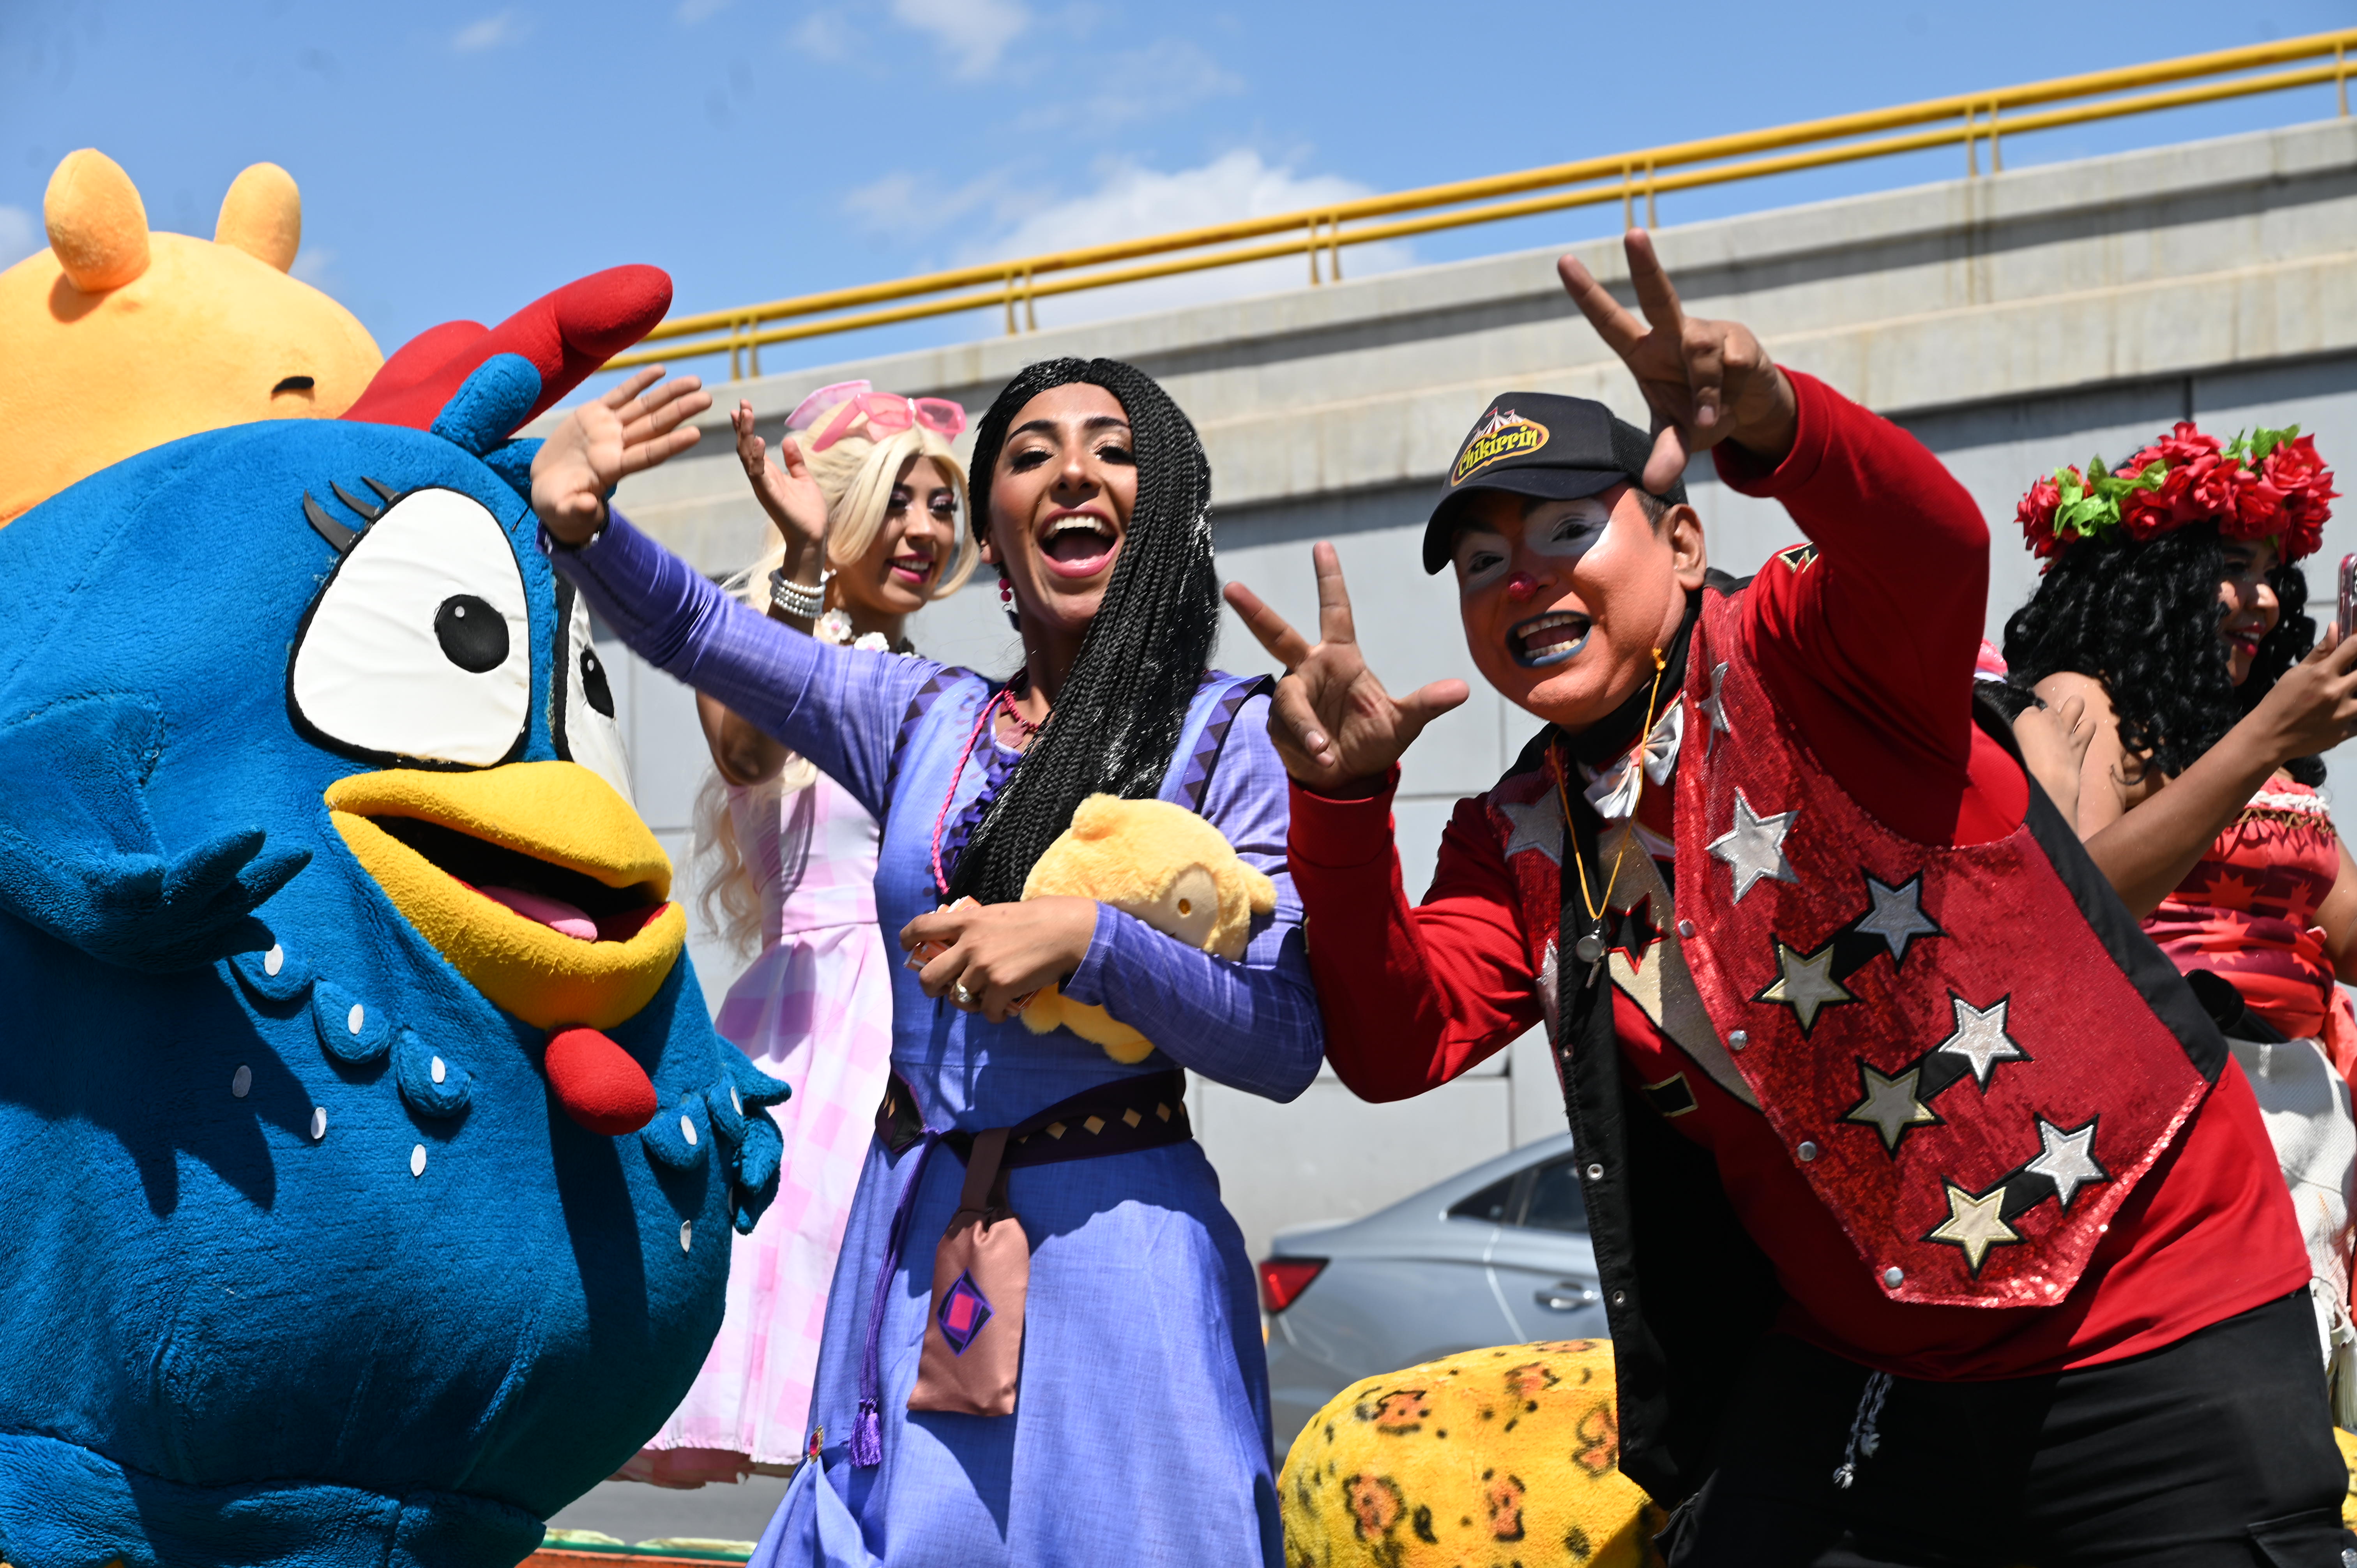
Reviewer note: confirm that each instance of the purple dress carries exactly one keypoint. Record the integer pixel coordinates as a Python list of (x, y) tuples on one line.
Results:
[(1141, 1432)]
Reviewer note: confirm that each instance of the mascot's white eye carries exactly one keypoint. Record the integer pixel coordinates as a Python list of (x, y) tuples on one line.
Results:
[(420, 646), (583, 699)]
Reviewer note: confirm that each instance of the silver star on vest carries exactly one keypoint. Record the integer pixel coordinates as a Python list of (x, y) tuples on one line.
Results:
[(1537, 825), (2069, 1159), (1897, 914), (1976, 1224), (1806, 985), (1980, 1037), (1753, 847), (1890, 1106), (1714, 708)]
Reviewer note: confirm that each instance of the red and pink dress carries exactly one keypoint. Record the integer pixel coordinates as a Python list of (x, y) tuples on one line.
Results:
[(2247, 913)]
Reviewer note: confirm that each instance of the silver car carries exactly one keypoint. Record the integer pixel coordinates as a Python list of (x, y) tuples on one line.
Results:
[(1498, 1255)]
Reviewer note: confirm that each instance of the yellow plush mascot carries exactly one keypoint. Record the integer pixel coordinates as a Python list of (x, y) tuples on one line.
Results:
[(116, 338)]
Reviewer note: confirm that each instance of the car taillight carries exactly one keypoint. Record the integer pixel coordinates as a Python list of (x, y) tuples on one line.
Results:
[(1284, 1279)]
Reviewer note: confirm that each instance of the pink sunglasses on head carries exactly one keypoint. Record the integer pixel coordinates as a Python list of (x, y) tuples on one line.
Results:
[(884, 413)]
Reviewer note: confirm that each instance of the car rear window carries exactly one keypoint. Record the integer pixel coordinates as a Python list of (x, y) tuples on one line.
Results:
[(1555, 1201), (1493, 1204)]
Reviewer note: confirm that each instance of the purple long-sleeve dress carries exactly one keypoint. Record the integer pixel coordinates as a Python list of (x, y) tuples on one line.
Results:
[(1141, 1431)]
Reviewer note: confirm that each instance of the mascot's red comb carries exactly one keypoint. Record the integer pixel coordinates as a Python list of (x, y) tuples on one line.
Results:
[(566, 336)]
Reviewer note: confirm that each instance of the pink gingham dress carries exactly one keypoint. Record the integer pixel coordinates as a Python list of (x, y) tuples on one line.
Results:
[(814, 1009)]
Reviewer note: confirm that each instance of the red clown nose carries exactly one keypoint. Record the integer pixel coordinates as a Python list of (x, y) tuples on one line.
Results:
[(597, 1082)]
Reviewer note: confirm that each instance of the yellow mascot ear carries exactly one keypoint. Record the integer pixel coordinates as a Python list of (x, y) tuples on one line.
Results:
[(1097, 817), (1262, 891), (263, 216), (97, 224)]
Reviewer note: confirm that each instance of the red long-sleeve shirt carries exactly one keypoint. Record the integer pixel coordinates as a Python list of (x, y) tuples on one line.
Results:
[(1868, 654)]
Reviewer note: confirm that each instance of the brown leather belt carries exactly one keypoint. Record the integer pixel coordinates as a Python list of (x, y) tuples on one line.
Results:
[(1118, 1117)]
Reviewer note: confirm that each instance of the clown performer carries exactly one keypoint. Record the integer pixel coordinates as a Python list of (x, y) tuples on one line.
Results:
[(2168, 629), (1934, 1221), (1100, 1395), (792, 861)]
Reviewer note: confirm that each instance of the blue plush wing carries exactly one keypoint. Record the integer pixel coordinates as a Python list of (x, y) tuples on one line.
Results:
[(79, 854)]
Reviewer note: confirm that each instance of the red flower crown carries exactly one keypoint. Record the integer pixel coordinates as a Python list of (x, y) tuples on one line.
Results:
[(2269, 484)]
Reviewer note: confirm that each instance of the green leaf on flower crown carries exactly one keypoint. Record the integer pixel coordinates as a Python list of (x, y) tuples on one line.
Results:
[(2069, 488), (2087, 515), (2096, 470)]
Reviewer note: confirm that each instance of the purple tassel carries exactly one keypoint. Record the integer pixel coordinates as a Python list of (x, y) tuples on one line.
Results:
[(867, 1437)]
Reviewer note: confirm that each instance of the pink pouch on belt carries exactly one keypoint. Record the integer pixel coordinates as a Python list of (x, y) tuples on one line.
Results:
[(982, 1271)]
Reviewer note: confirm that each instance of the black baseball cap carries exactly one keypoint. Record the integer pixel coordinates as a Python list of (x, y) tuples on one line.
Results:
[(1541, 444)]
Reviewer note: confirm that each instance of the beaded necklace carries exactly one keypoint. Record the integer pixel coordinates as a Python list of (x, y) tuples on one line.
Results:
[(1005, 698)]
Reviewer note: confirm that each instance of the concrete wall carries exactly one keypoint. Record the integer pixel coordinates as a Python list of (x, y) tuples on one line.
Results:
[(2014, 323)]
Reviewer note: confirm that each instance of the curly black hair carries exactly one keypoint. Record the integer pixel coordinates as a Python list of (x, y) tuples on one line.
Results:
[(1118, 719), (2143, 619)]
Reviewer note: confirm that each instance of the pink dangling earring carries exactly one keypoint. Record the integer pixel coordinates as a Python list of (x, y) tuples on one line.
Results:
[(1006, 602)]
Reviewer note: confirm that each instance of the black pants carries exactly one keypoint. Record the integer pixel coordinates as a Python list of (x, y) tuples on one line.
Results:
[(2215, 1451)]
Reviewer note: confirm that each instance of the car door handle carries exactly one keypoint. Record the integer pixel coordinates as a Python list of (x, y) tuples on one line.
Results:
[(1567, 1295)]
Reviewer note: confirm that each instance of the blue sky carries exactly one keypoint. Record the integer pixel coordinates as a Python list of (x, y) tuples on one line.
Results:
[(459, 159)]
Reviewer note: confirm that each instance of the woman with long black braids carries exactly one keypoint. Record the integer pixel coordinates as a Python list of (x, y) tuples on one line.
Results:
[(1099, 1395), (2169, 637)]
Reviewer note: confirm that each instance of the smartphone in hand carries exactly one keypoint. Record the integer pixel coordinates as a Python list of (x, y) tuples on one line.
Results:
[(2348, 595)]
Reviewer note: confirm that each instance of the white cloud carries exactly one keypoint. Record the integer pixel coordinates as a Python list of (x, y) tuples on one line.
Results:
[(824, 34), (912, 207), (972, 32), (314, 265), (1161, 79), (20, 236), (691, 12), (492, 32), (1132, 202)]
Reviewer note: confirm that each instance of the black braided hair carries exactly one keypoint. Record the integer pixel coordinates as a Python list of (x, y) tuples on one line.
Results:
[(2143, 619), (1118, 719)]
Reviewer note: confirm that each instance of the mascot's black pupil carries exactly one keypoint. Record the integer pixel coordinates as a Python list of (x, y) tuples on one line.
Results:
[(593, 683), (473, 636)]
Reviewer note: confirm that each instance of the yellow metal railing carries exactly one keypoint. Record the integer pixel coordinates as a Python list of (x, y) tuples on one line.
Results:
[(1973, 119)]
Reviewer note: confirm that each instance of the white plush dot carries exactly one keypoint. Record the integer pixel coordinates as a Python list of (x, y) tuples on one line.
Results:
[(440, 1071), (686, 1234), (417, 1161), (687, 1130), (318, 1122), (274, 960), (241, 1082), (355, 1018)]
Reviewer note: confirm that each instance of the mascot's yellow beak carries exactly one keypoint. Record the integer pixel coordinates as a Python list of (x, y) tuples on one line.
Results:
[(535, 880)]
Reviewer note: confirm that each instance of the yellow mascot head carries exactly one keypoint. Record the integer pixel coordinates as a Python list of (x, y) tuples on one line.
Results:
[(117, 339)]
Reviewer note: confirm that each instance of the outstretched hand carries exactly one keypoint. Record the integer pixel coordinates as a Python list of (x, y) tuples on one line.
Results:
[(599, 443), (797, 507), (1338, 731), (1705, 381)]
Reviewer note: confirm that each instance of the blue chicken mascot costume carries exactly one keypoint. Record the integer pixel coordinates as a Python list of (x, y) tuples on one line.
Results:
[(368, 1156)]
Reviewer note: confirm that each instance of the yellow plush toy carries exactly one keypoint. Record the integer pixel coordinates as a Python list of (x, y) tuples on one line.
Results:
[(1509, 1454), (116, 339), (1162, 863)]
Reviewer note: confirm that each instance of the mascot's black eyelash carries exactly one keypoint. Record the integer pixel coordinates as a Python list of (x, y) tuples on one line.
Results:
[(335, 532)]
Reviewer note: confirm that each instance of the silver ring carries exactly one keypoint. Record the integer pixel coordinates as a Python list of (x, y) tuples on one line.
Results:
[(964, 998)]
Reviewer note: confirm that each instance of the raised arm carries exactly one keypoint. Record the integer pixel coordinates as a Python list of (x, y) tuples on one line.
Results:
[(839, 708)]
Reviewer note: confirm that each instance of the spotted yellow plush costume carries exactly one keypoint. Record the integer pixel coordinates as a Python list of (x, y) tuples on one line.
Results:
[(1478, 1460)]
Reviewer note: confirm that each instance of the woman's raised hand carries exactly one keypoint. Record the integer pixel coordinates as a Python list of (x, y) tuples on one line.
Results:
[(2313, 705), (1705, 381), (598, 442), (1338, 731), (791, 498)]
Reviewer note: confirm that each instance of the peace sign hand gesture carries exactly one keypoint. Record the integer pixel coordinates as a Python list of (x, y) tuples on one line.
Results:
[(1705, 381), (1338, 731)]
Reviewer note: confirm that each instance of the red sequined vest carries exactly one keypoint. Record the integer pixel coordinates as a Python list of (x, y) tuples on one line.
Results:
[(1970, 1063)]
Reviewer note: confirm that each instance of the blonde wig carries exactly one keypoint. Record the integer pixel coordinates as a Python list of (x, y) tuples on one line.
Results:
[(856, 476)]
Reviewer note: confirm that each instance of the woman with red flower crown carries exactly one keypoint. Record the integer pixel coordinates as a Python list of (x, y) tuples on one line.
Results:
[(2168, 639)]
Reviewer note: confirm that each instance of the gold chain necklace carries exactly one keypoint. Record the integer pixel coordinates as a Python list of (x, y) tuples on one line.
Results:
[(1589, 948)]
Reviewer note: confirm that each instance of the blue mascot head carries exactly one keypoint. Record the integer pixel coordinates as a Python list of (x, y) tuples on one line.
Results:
[(371, 1161)]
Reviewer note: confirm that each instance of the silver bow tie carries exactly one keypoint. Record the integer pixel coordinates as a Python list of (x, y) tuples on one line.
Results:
[(1613, 792)]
